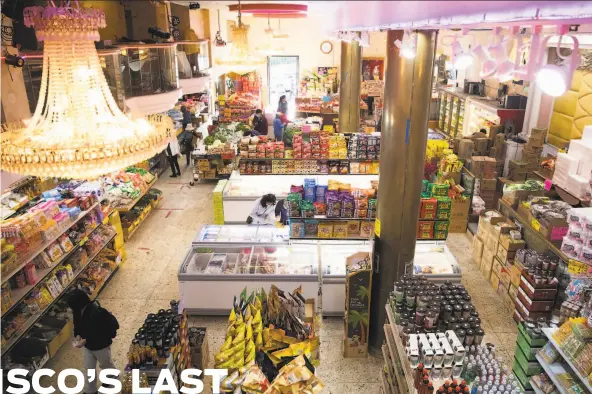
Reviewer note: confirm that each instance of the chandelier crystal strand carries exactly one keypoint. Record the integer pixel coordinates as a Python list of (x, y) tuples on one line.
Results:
[(77, 129)]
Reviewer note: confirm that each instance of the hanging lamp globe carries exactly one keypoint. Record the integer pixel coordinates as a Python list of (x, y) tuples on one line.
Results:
[(77, 130)]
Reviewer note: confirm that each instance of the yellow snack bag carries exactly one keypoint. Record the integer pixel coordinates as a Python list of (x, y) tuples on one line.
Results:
[(227, 344), (250, 346), (232, 317), (259, 340), (238, 338), (248, 312), (258, 328), (249, 334), (257, 318)]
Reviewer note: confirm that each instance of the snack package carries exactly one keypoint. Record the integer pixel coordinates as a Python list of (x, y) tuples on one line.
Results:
[(325, 230), (340, 230), (65, 243), (296, 229)]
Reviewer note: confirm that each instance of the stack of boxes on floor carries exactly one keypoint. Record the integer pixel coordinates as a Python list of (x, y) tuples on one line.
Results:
[(484, 157), (519, 170), (483, 168), (494, 251), (523, 278), (530, 341), (218, 204), (573, 169)]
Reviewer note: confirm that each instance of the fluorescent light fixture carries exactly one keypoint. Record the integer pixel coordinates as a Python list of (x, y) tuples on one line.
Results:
[(407, 47)]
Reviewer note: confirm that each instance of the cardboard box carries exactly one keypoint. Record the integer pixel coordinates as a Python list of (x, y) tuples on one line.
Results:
[(534, 306), (503, 255), (488, 184), (356, 332), (515, 274), (504, 276), (511, 245), (460, 209), (491, 242), (554, 229), (458, 226), (200, 352), (530, 367), (497, 266), (537, 293), (477, 250), (525, 313), (494, 280), (513, 291)]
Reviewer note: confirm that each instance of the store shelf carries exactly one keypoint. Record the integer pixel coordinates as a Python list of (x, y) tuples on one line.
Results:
[(33, 319), (311, 159), (584, 380), (407, 378), (323, 217), (507, 210), (133, 204), (130, 234), (385, 385), (389, 365), (17, 295), (552, 371), (536, 388), (32, 255), (97, 292)]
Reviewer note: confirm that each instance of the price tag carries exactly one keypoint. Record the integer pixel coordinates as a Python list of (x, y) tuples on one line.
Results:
[(536, 224), (548, 184), (377, 227)]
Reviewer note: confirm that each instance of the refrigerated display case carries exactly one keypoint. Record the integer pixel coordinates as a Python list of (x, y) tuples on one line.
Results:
[(223, 260), (242, 191), (434, 260), (452, 111)]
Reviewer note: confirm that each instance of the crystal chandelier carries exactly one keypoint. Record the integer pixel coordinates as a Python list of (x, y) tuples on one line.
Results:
[(240, 59), (77, 130)]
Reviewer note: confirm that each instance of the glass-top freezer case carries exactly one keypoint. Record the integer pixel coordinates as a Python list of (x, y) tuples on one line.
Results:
[(225, 259), (434, 260)]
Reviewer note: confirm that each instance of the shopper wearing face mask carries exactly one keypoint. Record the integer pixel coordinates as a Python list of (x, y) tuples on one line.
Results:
[(264, 210)]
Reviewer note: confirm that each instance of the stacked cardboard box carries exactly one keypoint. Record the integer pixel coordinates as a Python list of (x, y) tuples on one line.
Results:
[(485, 248), (459, 215), (481, 146), (532, 150), (517, 170), (465, 149), (534, 300), (487, 191), (483, 166)]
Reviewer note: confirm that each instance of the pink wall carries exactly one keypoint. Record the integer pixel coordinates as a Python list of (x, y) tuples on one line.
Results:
[(357, 15)]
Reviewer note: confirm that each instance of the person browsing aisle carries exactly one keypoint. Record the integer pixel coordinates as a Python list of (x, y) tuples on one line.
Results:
[(173, 151), (264, 210)]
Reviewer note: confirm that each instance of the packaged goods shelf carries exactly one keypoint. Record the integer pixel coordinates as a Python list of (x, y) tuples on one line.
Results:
[(33, 319), (507, 210), (536, 388), (29, 257), (584, 380), (17, 295), (145, 215), (133, 204), (552, 370)]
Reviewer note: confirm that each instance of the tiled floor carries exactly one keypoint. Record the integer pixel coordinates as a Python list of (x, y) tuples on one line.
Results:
[(147, 281)]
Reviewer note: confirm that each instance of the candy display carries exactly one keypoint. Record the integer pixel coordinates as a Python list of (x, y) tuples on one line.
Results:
[(364, 146), (270, 345)]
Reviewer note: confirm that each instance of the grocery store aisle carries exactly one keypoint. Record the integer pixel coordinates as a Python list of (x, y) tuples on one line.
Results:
[(500, 328), (147, 281)]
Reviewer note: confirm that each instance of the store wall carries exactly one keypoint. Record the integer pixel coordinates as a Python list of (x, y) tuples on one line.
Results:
[(199, 21), (305, 38), (114, 16)]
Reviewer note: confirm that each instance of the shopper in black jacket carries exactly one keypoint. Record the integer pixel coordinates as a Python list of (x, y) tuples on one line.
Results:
[(94, 330)]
